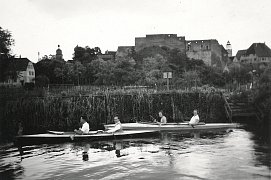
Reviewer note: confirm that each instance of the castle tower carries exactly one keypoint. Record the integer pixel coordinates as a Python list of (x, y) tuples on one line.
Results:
[(229, 49), (59, 55)]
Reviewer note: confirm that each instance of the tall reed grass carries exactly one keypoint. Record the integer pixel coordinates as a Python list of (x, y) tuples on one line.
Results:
[(63, 113)]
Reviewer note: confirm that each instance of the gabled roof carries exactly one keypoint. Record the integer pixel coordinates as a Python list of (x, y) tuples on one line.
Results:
[(18, 64), (240, 53), (231, 58), (259, 49)]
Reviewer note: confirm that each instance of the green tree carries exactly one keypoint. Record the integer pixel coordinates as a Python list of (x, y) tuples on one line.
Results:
[(191, 78), (265, 78), (103, 72), (125, 72), (152, 70), (6, 41), (86, 55), (48, 68), (41, 81), (212, 76)]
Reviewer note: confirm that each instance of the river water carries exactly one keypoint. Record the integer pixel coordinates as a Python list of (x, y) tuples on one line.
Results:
[(240, 154)]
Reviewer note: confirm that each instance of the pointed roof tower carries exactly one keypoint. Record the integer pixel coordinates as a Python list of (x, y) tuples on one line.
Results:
[(229, 49)]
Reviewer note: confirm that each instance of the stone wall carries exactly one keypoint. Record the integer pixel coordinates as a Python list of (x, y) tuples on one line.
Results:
[(199, 49), (210, 51), (169, 40), (123, 51)]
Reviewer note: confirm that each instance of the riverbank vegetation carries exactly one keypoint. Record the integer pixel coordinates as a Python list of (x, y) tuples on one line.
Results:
[(63, 113)]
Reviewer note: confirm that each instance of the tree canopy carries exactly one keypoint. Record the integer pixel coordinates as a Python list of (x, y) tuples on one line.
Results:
[(6, 41)]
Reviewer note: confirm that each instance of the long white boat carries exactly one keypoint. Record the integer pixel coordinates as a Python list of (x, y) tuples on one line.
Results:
[(58, 137), (174, 126)]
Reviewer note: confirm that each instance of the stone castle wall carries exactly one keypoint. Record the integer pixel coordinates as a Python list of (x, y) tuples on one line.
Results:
[(169, 40), (210, 51), (199, 49)]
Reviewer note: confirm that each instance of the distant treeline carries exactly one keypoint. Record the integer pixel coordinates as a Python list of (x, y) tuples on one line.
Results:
[(144, 67)]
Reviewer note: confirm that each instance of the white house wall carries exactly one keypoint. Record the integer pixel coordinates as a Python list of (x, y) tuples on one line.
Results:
[(29, 75)]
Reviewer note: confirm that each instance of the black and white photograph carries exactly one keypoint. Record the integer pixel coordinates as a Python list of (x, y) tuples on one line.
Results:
[(135, 89)]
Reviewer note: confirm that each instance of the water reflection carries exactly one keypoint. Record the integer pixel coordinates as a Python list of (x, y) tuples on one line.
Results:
[(85, 152), (221, 155)]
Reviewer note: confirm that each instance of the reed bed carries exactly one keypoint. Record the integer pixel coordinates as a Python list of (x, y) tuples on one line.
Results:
[(62, 113)]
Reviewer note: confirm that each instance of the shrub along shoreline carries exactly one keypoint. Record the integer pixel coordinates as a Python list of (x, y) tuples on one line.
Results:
[(38, 114)]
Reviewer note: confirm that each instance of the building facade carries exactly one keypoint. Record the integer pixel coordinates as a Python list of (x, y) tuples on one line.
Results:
[(229, 49), (256, 53), (59, 55), (20, 71)]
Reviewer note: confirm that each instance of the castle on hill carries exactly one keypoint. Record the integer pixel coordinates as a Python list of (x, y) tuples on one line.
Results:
[(210, 51)]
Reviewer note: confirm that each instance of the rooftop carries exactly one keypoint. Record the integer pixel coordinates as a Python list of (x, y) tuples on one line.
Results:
[(19, 64), (260, 49)]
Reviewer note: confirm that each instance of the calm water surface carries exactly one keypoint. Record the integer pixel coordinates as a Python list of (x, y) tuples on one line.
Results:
[(235, 155)]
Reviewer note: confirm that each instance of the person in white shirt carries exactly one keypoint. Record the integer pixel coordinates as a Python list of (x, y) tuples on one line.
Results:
[(195, 119), (117, 127), (85, 126), (163, 119)]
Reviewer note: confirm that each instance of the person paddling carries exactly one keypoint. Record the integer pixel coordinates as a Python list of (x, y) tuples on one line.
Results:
[(163, 119), (195, 119), (85, 126), (117, 127)]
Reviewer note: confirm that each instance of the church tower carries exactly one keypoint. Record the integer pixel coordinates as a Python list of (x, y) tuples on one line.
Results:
[(59, 55), (229, 49)]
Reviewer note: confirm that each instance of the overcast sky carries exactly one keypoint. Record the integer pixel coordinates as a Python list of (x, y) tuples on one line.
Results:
[(40, 25)]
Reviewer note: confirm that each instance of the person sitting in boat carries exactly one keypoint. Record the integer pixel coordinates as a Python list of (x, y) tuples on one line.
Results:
[(85, 126), (163, 119), (117, 127), (195, 119)]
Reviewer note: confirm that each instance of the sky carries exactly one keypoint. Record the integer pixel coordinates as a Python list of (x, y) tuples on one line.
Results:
[(42, 25)]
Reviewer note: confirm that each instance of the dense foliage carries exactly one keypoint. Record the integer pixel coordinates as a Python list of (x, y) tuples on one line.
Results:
[(63, 113), (6, 41), (144, 67)]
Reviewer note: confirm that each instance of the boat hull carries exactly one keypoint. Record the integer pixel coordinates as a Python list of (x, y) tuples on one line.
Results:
[(59, 137), (174, 126)]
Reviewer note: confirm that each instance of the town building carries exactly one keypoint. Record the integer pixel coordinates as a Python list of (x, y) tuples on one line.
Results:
[(59, 55), (239, 53), (256, 53), (229, 49), (20, 71)]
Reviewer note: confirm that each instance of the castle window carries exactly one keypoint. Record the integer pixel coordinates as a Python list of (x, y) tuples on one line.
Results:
[(189, 47), (207, 47), (201, 46)]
